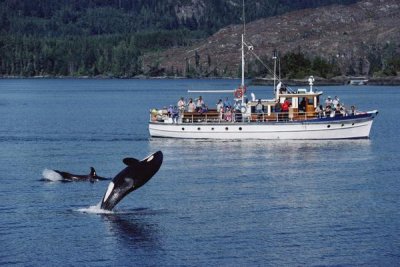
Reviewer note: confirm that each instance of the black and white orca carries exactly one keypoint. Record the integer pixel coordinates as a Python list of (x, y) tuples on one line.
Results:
[(92, 176), (136, 174)]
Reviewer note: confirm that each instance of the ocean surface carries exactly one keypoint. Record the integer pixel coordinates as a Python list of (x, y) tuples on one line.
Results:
[(213, 203)]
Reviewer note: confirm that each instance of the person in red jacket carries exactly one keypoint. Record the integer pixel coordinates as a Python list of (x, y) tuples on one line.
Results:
[(285, 109)]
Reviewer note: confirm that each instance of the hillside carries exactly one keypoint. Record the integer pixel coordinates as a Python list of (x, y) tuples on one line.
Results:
[(359, 39), (109, 37), (99, 17)]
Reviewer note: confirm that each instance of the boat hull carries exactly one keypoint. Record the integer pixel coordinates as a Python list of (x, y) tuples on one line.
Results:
[(351, 127)]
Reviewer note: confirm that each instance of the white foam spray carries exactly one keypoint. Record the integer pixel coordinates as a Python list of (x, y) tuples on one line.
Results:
[(95, 209)]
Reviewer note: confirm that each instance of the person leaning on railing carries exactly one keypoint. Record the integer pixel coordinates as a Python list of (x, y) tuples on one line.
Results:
[(259, 109)]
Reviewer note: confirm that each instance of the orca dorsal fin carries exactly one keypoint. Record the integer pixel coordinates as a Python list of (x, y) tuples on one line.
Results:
[(130, 161)]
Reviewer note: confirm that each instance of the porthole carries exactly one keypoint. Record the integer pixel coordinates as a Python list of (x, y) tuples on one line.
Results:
[(328, 126), (240, 128), (226, 128), (352, 124), (212, 129), (342, 124), (183, 129), (198, 129)]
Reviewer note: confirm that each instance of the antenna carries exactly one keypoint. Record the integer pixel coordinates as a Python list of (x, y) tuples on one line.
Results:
[(275, 56), (244, 20)]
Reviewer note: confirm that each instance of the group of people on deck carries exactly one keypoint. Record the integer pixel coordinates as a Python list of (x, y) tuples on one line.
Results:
[(333, 108), (226, 111), (242, 112)]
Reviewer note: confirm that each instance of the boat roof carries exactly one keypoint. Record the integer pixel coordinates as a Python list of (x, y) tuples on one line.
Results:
[(302, 94)]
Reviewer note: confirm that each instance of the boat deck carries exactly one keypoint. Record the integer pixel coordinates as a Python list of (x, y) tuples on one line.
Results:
[(212, 116)]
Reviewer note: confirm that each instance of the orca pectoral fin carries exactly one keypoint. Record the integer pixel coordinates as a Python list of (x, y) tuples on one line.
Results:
[(130, 161)]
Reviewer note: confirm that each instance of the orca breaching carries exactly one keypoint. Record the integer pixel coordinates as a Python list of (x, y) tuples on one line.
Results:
[(135, 175)]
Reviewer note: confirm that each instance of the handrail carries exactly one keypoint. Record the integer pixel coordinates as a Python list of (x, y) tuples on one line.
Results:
[(214, 117)]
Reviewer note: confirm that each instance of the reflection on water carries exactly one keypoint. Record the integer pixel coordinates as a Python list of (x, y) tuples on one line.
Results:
[(261, 149), (133, 229)]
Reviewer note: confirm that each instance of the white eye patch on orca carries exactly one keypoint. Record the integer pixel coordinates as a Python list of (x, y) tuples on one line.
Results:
[(150, 158)]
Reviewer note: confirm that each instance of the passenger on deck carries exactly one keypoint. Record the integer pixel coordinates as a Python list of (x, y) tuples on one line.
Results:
[(203, 109), (328, 102), (181, 108), (181, 105), (319, 110), (227, 103), (228, 114), (237, 114), (220, 109), (175, 114), (170, 110), (328, 110), (353, 111), (191, 105), (337, 110), (259, 109), (342, 110), (199, 103), (285, 109), (303, 104), (219, 105), (247, 114), (335, 102)]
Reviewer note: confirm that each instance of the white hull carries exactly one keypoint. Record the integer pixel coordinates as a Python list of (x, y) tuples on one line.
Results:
[(334, 129)]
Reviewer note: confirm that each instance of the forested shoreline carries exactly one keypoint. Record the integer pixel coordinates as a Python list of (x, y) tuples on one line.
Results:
[(96, 38)]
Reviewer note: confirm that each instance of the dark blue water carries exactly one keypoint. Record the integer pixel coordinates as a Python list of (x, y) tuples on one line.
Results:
[(213, 203)]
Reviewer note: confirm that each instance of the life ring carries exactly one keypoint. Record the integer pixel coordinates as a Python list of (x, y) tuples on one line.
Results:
[(238, 93), (243, 109)]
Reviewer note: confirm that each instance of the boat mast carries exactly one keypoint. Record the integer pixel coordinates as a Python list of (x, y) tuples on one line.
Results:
[(244, 31), (276, 89), (274, 58)]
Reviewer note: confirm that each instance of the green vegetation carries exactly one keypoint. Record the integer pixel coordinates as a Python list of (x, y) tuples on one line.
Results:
[(108, 37)]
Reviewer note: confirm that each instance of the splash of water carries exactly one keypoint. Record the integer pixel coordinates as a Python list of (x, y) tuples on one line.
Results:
[(95, 209), (51, 175)]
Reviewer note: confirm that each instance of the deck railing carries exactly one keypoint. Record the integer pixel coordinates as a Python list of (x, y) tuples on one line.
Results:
[(215, 117)]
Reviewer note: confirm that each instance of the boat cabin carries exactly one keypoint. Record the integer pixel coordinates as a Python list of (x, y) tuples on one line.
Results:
[(301, 105)]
